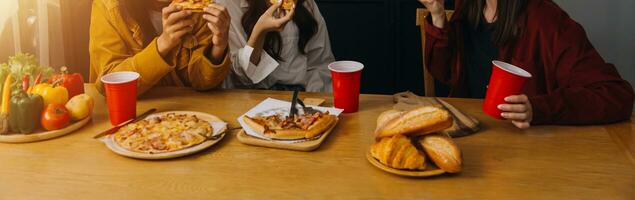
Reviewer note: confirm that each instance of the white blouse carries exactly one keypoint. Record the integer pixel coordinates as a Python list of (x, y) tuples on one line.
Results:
[(309, 70)]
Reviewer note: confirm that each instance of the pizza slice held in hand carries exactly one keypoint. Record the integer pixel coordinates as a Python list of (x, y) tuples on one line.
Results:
[(194, 5), (287, 4)]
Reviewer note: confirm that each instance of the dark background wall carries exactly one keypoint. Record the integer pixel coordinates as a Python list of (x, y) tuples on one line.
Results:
[(383, 35)]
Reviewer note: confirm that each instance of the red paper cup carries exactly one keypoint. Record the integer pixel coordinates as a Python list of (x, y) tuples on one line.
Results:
[(121, 96), (506, 80), (346, 77)]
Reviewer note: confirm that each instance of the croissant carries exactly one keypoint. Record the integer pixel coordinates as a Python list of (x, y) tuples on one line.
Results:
[(399, 153)]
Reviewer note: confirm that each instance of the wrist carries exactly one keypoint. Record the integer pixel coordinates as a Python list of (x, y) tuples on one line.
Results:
[(255, 36), (437, 15), (438, 20), (162, 46), (218, 54)]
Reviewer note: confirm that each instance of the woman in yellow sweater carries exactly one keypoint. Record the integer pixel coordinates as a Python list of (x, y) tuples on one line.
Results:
[(166, 44)]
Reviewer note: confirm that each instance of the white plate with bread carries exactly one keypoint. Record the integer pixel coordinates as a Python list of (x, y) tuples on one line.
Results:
[(409, 143)]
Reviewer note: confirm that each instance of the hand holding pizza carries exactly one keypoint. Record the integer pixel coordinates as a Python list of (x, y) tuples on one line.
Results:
[(176, 23), (218, 20), (269, 22), (437, 11)]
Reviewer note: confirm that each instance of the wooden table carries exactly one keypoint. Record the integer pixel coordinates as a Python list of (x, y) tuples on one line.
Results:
[(500, 162)]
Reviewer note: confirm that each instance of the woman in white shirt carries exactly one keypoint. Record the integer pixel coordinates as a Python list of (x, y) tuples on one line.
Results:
[(291, 51)]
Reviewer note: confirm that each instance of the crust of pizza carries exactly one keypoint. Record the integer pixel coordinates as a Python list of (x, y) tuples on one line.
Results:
[(193, 5), (318, 127)]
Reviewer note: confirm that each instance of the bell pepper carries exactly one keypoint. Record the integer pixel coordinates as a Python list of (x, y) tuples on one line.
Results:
[(74, 82), (51, 93), (25, 112)]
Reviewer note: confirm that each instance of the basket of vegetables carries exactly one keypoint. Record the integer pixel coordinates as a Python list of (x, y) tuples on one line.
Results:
[(37, 103)]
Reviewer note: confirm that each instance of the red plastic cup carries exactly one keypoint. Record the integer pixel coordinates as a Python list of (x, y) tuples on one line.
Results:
[(121, 96), (346, 77), (506, 80)]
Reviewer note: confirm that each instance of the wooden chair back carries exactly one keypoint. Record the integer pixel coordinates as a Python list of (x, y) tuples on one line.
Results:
[(428, 80)]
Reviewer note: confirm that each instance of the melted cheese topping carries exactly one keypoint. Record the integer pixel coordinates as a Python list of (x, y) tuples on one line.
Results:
[(169, 132)]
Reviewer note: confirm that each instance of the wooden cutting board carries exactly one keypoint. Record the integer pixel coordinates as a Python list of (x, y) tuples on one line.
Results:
[(300, 146), (463, 124)]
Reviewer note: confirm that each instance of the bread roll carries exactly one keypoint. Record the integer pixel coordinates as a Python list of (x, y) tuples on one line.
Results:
[(399, 153), (419, 121), (442, 151), (386, 117)]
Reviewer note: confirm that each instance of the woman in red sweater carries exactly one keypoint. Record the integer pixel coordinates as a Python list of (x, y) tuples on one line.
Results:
[(571, 82)]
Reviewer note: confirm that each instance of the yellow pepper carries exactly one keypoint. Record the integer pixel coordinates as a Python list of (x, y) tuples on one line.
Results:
[(52, 94)]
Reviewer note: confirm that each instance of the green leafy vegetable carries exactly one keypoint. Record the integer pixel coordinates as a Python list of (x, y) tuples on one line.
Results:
[(22, 64)]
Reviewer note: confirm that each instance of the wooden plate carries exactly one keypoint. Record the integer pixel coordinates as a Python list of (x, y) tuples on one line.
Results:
[(112, 145), (39, 136), (300, 146), (430, 171)]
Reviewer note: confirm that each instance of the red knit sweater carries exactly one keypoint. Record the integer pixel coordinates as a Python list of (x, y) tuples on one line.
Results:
[(571, 82)]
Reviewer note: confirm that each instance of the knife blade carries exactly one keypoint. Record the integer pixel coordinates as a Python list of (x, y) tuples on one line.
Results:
[(116, 128)]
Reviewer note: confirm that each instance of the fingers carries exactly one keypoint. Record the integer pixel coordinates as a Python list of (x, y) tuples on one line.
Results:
[(517, 99), (217, 10), (289, 15), (181, 33), (167, 11), (218, 18), (521, 124), (181, 25), (212, 23), (513, 108), (211, 19), (177, 16), (515, 116)]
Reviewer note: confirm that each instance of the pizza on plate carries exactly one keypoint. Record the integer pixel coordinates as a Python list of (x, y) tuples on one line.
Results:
[(165, 133), (290, 128), (194, 5)]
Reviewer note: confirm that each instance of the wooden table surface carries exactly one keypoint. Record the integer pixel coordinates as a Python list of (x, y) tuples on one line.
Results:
[(500, 162)]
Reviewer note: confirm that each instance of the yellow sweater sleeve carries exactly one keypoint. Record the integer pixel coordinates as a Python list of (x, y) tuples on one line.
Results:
[(109, 53), (201, 72)]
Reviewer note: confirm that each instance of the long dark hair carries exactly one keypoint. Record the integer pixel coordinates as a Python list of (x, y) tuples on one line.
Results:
[(273, 41), (139, 10), (506, 27)]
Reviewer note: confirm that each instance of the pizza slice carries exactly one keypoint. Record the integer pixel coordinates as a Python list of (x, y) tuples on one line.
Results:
[(287, 4), (194, 5), (291, 128)]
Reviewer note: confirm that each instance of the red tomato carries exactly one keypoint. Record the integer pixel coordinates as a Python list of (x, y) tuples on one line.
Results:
[(55, 117), (74, 83)]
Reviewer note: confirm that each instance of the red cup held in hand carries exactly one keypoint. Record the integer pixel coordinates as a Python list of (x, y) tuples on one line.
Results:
[(121, 95), (346, 77), (506, 80)]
